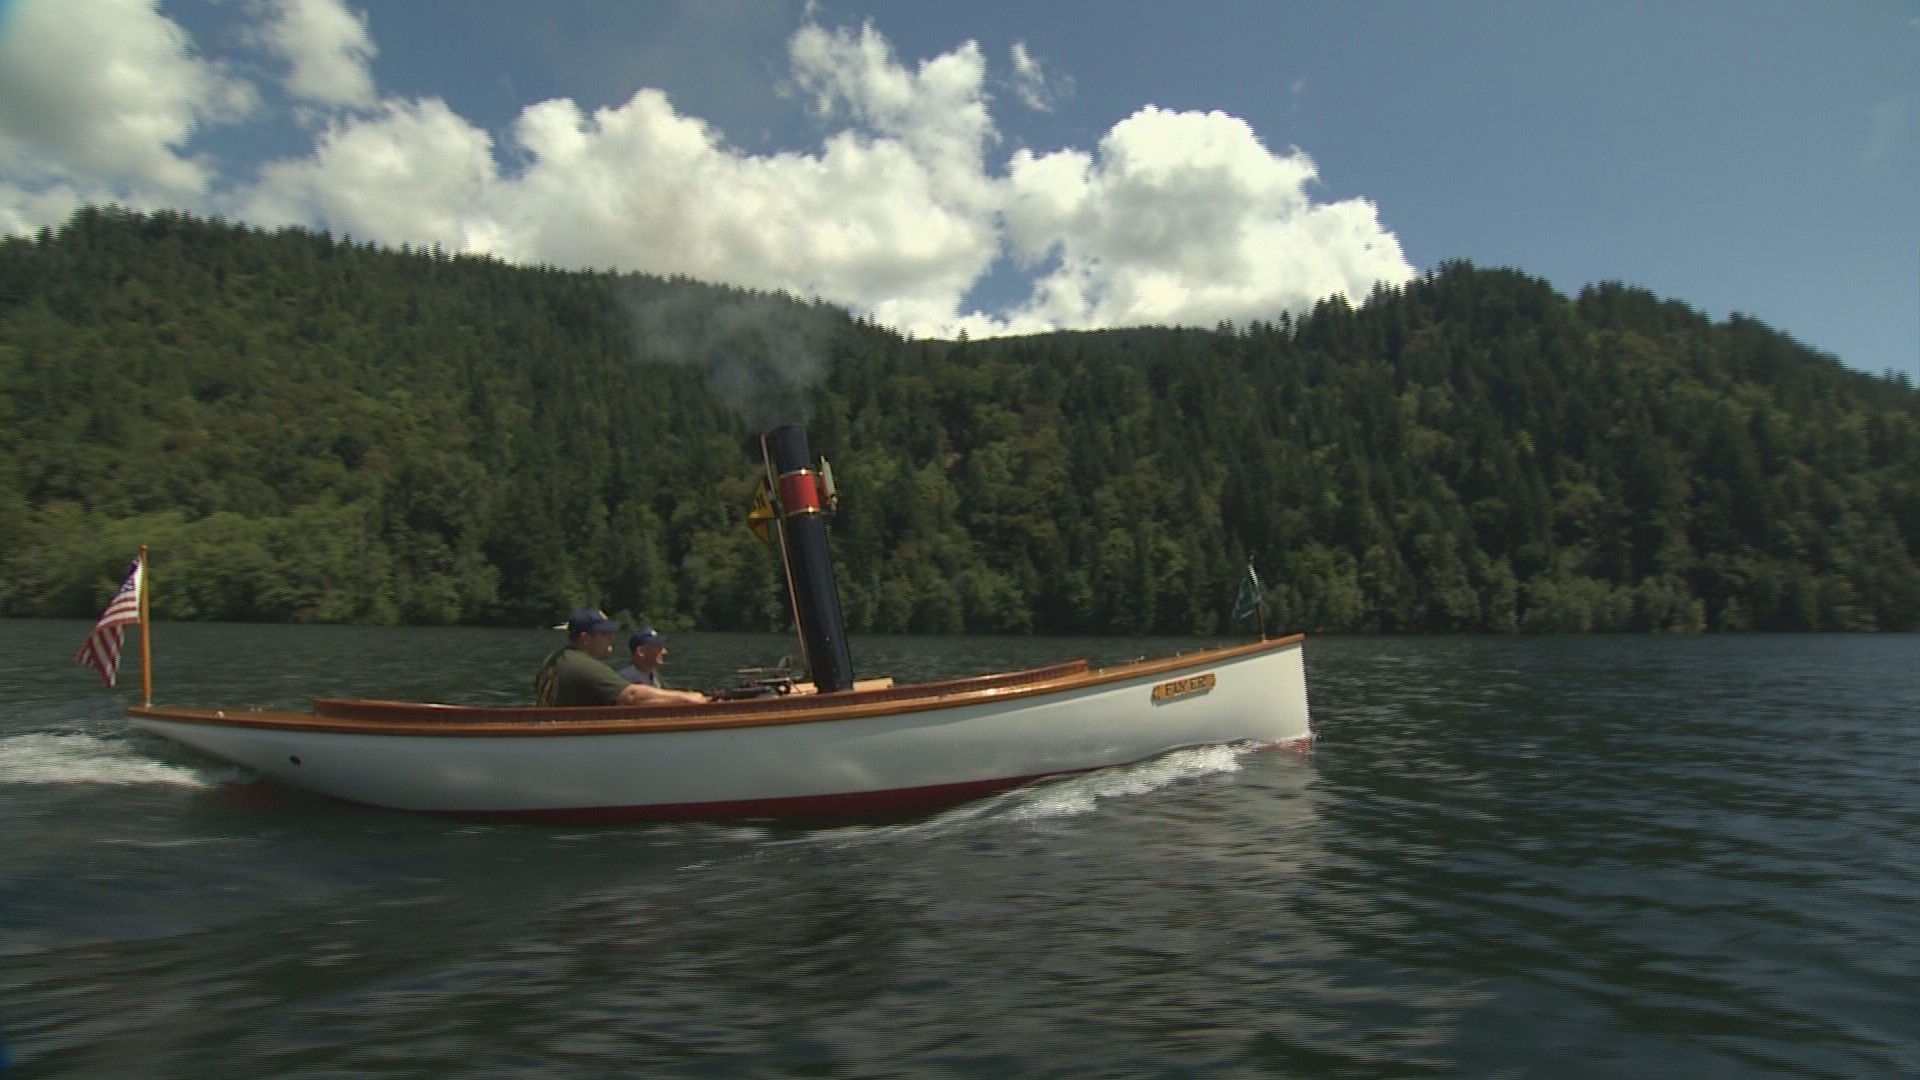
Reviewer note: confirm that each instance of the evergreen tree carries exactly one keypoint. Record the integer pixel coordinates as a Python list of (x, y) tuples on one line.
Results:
[(309, 429)]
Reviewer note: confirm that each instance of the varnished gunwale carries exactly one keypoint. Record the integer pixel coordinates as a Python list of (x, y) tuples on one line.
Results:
[(366, 717)]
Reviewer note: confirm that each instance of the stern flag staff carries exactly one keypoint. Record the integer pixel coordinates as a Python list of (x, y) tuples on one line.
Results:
[(102, 649)]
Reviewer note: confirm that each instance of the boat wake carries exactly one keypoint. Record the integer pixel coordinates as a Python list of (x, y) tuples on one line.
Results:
[(76, 758), (1061, 797), (1081, 794)]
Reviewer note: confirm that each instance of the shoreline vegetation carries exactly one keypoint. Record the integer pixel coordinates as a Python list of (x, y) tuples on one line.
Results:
[(310, 429)]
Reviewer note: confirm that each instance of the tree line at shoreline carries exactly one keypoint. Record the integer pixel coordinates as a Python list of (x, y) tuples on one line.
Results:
[(303, 428)]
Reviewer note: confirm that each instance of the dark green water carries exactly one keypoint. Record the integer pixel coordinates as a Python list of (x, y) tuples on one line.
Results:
[(1557, 857)]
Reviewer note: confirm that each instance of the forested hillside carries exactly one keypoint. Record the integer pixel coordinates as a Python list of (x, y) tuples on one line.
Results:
[(305, 428)]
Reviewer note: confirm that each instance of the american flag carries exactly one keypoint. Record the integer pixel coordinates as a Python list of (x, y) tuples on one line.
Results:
[(102, 650)]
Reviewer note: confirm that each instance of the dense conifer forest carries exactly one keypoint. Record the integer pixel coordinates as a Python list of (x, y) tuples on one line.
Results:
[(305, 428)]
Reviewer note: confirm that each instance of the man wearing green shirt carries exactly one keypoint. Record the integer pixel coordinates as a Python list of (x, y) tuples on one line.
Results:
[(576, 675)]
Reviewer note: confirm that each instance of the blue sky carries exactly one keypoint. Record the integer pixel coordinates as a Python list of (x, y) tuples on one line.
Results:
[(999, 167)]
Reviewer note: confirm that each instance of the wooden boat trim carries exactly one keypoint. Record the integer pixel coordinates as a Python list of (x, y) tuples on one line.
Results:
[(366, 717)]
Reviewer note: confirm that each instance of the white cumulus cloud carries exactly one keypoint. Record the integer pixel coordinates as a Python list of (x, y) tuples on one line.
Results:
[(1036, 88), (415, 173), (327, 50), (894, 212), (1185, 218), (898, 210), (98, 100)]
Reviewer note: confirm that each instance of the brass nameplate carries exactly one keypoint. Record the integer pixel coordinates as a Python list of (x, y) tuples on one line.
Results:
[(1191, 686)]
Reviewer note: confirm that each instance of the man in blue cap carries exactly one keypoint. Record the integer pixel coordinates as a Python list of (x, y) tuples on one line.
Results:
[(576, 674), (649, 649)]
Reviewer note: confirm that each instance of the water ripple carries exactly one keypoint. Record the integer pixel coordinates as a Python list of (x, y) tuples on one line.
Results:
[(1504, 857)]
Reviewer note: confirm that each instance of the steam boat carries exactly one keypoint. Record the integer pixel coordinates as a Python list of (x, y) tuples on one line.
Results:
[(834, 746)]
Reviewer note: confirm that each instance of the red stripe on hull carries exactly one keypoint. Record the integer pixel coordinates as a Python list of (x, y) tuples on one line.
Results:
[(847, 805)]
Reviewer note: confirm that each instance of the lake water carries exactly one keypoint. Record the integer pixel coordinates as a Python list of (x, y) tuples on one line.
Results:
[(1513, 857)]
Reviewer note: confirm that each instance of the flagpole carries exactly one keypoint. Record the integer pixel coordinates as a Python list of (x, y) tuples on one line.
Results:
[(1251, 591), (146, 638), (1259, 600)]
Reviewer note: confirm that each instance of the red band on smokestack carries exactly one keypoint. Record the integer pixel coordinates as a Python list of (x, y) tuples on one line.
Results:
[(799, 494)]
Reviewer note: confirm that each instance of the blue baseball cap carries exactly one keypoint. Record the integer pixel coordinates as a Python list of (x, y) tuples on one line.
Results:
[(591, 620), (647, 636)]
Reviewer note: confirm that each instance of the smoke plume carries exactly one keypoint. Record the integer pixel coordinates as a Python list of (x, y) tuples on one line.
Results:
[(762, 354)]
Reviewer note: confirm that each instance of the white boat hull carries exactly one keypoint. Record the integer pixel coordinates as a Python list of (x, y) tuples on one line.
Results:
[(928, 752)]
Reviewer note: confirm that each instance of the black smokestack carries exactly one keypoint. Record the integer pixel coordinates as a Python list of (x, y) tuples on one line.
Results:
[(801, 502)]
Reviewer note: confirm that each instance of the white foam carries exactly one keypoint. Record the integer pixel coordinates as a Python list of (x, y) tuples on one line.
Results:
[(1053, 798), (1080, 794), (48, 758)]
